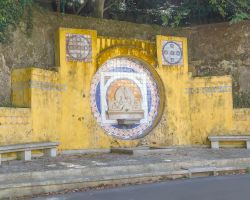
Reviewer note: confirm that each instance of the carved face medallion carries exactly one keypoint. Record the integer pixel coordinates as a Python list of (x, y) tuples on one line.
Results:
[(124, 98)]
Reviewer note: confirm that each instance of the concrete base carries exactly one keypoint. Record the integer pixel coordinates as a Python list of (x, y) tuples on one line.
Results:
[(248, 144), (141, 150), (50, 152), (54, 186), (215, 145), (24, 155), (84, 151), (32, 183)]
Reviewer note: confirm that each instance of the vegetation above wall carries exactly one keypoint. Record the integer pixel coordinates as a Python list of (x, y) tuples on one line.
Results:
[(167, 13), (241, 100), (162, 12), (216, 49), (11, 12)]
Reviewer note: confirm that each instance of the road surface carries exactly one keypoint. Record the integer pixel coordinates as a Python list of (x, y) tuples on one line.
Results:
[(209, 188)]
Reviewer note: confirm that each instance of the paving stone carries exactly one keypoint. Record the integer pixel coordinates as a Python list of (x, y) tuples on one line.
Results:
[(178, 154)]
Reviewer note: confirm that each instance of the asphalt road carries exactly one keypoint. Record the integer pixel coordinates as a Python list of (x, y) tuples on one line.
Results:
[(209, 188)]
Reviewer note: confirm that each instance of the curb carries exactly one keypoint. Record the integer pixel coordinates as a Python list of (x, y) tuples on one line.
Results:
[(34, 183)]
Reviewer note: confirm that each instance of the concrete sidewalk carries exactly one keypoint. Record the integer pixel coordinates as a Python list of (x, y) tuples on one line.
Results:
[(43, 175)]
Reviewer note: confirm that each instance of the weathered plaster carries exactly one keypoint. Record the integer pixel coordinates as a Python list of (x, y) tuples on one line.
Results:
[(190, 110)]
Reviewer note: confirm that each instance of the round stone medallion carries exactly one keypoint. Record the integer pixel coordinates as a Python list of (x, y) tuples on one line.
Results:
[(125, 98)]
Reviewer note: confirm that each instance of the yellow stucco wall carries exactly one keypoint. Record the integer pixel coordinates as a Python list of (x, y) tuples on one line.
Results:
[(241, 121), (15, 125), (60, 110), (211, 107)]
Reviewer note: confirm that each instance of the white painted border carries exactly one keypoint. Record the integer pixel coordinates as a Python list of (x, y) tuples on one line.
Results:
[(117, 76)]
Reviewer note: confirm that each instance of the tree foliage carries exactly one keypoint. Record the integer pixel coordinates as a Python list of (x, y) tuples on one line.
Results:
[(95, 8), (163, 12), (167, 13), (234, 10)]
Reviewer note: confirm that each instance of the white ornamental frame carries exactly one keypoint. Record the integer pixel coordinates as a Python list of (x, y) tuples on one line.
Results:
[(121, 76)]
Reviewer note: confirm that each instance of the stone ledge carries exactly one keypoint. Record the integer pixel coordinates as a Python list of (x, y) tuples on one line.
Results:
[(141, 150), (32, 183), (229, 138)]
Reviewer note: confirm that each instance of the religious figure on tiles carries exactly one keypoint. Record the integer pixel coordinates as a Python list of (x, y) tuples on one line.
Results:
[(124, 100)]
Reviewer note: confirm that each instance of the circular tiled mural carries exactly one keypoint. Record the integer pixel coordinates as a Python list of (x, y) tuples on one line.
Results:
[(124, 98)]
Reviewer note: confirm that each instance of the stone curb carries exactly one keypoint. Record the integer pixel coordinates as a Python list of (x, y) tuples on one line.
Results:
[(33, 183)]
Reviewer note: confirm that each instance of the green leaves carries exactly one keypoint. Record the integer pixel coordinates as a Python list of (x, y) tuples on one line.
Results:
[(173, 16), (166, 13), (234, 10), (11, 12), (237, 17), (241, 100), (202, 11)]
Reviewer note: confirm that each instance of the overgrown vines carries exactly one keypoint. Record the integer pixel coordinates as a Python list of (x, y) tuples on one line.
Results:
[(11, 13)]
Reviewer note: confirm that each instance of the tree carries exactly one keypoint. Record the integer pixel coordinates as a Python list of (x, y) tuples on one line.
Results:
[(94, 8), (162, 12), (235, 10), (168, 13)]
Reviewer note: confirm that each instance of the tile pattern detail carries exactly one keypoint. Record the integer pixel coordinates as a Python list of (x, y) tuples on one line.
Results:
[(78, 47), (127, 69), (172, 53)]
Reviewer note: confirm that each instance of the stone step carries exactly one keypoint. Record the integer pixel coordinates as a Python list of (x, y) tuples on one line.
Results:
[(37, 184), (142, 150)]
